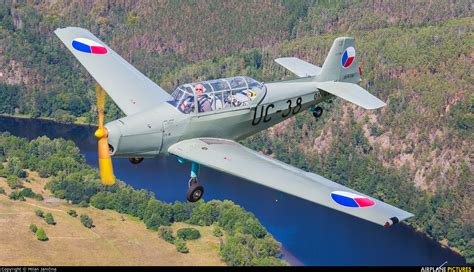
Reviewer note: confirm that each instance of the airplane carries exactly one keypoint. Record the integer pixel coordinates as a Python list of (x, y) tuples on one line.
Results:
[(201, 122)]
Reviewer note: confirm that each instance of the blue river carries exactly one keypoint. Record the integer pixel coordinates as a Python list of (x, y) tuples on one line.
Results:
[(310, 234)]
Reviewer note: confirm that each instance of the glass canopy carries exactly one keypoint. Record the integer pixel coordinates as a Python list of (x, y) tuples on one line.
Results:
[(218, 94)]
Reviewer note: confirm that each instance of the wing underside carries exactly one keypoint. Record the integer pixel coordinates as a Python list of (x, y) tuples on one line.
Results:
[(230, 157), (132, 91)]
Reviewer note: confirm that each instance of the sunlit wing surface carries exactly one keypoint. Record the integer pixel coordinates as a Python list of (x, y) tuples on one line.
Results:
[(233, 158), (132, 91), (352, 93), (299, 67)]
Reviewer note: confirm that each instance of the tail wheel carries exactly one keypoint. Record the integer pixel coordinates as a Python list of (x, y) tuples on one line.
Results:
[(135, 160), (195, 192), (317, 112)]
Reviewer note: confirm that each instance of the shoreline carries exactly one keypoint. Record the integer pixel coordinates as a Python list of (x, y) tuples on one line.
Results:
[(443, 243), (289, 257), (26, 116)]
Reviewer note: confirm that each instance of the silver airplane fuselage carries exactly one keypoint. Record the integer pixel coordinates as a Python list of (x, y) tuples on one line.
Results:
[(152, 132)]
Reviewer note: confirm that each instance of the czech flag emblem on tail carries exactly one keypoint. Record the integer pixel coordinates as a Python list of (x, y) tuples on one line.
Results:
[(88, 46), (348, 57)]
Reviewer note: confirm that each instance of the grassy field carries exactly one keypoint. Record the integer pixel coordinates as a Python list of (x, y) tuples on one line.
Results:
[(115, 239)]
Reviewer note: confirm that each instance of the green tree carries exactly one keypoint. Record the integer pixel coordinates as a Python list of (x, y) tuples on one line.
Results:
[(14, 182), (217, 231), (205, 214), (2, 191), (72, 213), (269, 261), (181, 246), (33, 228), (39, 213), (167, 234), (182, 211), (9, 96), (188, 234), (15, 167), (41, 235), (235, 252), (86, 221), (16, 195), (27, 192), (64, 117), (48, 218)]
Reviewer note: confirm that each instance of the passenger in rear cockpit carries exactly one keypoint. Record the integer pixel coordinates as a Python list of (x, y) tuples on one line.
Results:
[(187, 105), (204, 104)]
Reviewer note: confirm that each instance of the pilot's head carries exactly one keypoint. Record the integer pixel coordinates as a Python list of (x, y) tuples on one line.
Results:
[(199, 89)]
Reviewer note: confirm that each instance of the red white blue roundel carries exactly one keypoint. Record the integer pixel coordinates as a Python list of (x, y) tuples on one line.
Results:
[(348, 57), (88, 46), (351, 200)]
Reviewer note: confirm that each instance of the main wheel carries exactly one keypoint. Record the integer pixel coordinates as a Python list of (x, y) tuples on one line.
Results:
[(135, 160), (195, 192), (317, 112)]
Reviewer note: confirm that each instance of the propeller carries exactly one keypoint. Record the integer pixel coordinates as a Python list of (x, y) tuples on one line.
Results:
[(105, 162)]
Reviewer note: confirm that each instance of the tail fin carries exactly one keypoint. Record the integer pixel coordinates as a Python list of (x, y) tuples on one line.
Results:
[(341, 63)]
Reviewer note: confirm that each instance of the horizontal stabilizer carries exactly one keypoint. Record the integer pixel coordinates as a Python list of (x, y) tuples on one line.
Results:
[(299, 67), (352, 93)]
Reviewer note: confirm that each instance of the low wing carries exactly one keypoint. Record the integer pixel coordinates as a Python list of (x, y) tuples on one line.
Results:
[(352, 93), (299, 67), (132, 91), (233, 158)]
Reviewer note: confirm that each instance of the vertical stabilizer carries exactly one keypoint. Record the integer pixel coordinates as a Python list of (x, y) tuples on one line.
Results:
[(341, 63)]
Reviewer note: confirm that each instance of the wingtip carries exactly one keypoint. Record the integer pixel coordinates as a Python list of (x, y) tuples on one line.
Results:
[(397, 219), (277, 60)]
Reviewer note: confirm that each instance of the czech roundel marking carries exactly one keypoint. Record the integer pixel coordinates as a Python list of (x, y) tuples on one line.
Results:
[(88, 46), (351, 200), (348, 57)]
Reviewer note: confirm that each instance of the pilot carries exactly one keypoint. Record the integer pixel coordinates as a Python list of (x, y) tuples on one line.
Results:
[(204, 105)]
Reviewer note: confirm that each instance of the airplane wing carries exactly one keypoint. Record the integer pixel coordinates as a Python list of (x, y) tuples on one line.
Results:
[(230, 157), (132, 91), (299, 67), (352, 93)]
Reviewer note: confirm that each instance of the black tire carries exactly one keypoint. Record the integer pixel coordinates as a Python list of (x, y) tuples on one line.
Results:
[(135, 160), (195, 192), (317, 112)]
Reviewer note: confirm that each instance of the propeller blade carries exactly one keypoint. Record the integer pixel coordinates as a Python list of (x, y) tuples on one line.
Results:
[(105, 162)]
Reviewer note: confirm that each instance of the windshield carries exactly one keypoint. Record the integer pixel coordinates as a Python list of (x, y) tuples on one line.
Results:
[(218, 94)]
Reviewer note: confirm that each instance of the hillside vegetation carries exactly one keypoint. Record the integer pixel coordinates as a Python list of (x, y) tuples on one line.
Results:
[(115, 239), (415, 153), (246, 241)]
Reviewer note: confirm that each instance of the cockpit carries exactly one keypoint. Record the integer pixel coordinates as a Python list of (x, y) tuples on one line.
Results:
[(218, 94)]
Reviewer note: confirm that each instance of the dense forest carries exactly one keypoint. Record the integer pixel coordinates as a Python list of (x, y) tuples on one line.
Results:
[(247, 242), (415, 153)]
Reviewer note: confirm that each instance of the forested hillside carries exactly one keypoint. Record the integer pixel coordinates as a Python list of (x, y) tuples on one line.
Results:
[(415, 153)]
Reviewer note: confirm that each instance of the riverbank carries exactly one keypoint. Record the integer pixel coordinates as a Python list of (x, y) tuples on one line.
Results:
[(80, 121)]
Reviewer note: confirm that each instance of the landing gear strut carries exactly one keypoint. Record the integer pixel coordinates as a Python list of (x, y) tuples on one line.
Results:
[(195, 191)]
